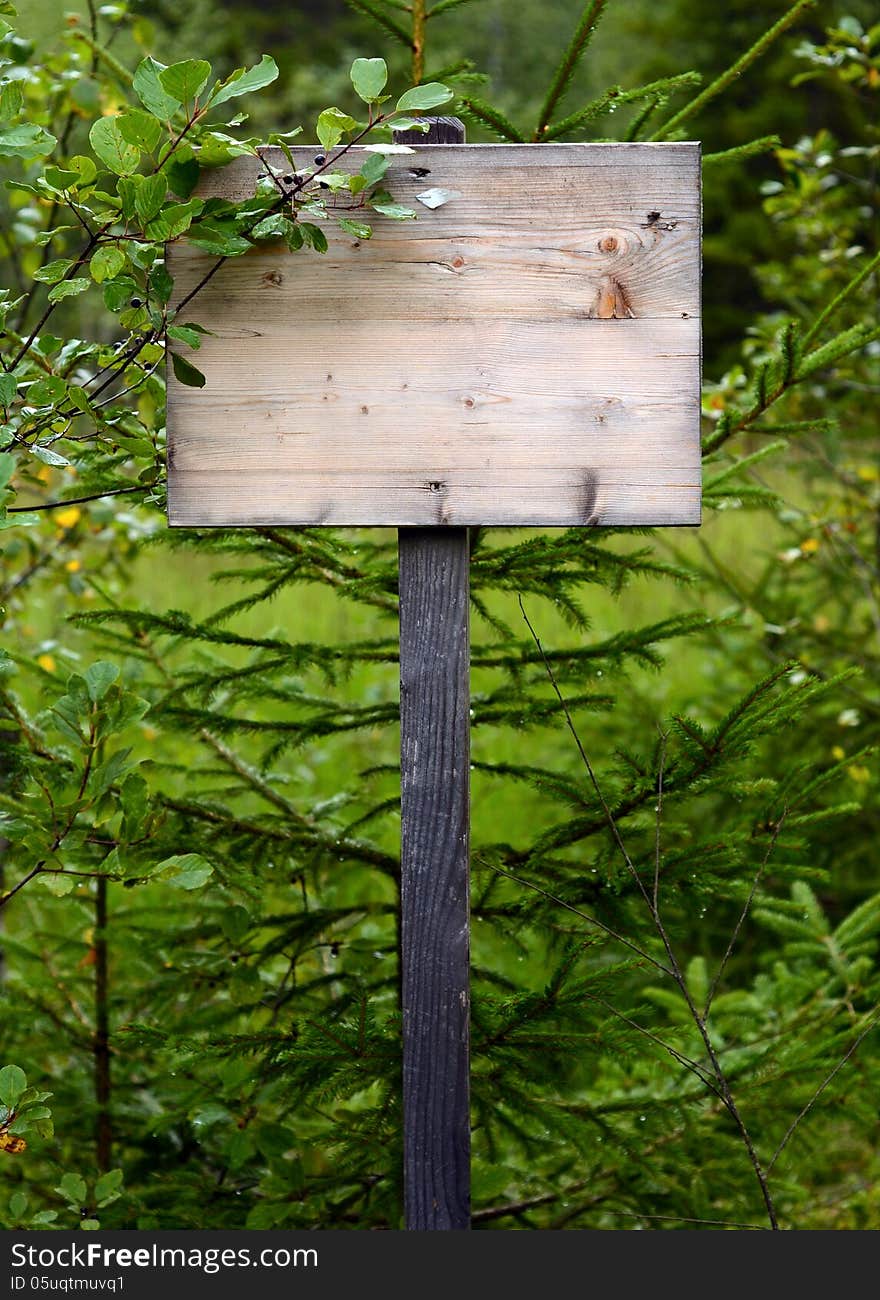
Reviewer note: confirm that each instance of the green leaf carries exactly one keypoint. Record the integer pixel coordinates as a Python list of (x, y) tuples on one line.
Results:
[(18, 1203), (68, 289), (383, 203), (183, 81), (48, 456), (173, 220), (411, 124), (89, 1225), (182, 174), (117, 293), (161, 283), (332, 124), (79, 398), (134, 797), (25, 141), (431, 95), (43, 392), (43, 1218), (112, 148), (8, 390), (185, 870), (190, 337), (141, 129), (186, 373), (60, 178), (11, 100), (219, 239), (58, 884), (245, 80), (73, 1189), (108, 1187), (369, 78), (20, 521), (99, 678), (276, 226), (52, 272), (374, 168), (359, 229), (84, 168), (313, 235), (106, 262), (216, 148), (235, 923), (13, 1083), (149, 196), (150, 90)]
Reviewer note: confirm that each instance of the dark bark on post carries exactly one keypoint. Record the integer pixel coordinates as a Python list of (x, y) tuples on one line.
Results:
[(435, 920), (101, 1048)]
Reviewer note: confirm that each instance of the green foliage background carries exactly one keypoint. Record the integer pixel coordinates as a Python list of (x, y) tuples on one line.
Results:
[(199, 943)]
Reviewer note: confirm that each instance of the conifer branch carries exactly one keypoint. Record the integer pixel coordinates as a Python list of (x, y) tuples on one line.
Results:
[(839, 299), (493, 118), (713, 988), (829, 1078), (585, 916), (613, 98), (740, 152), (735, 70), (674, 969), (443, 6), (383, 20), (577, 47)]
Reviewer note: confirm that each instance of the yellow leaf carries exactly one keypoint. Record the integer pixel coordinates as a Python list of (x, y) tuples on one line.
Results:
[(73, 566), (46, 662), (13, 1146), (68, 518), (810, 545)]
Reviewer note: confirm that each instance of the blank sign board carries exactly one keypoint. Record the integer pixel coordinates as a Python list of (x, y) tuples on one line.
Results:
[(526, 353)]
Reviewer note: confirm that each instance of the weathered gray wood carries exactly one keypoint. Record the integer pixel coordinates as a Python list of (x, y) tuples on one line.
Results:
[(528, 353), (435, 858), (435, 928)]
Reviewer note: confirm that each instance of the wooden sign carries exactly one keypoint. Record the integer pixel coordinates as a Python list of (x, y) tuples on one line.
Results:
[(525, 353)]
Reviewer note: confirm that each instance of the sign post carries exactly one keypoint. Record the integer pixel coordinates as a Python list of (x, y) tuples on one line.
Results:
[(526, 353), (434, 585)]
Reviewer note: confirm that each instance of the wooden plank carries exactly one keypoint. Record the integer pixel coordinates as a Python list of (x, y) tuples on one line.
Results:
[(435, 925), (547, 317), (434, 572)]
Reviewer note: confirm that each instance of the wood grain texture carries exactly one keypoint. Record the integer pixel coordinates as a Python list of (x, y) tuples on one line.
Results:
[(435, 925), (537, 333)]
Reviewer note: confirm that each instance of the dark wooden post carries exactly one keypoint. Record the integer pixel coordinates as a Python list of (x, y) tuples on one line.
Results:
[(435, 807)]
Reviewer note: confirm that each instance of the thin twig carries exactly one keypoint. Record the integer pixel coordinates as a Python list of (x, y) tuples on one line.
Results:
[(585, 916), (656, 891), (673, 1052), (78, 501), (742, 918), (789, 1132), (674, 968)]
